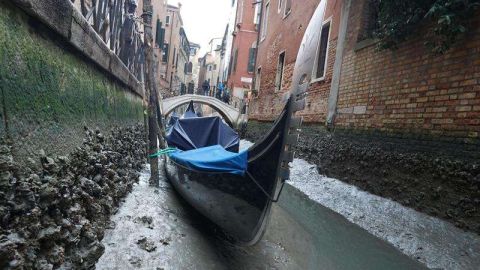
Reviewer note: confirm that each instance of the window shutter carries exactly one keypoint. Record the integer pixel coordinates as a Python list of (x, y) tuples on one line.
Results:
[(162, 37), (235, 57), (251, 60), (158, 34)]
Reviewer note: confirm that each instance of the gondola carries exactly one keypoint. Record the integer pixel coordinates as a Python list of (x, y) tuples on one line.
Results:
[(236, 191), (238, 202)]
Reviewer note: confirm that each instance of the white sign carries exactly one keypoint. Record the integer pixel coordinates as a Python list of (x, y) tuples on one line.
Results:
[(246, 80)]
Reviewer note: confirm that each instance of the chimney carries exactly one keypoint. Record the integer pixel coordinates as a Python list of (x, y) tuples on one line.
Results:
[(179, 5)]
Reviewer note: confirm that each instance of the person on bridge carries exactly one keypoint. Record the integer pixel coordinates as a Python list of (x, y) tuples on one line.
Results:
[(226, 96), (206, 88), (220, 89)]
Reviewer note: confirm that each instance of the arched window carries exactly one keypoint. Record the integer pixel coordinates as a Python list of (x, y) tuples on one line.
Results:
[(189, 67)]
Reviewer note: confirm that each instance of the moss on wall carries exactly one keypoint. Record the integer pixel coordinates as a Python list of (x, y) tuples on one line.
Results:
[(47, 88)]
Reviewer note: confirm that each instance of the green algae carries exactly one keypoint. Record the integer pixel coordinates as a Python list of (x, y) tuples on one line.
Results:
[(44, 81)]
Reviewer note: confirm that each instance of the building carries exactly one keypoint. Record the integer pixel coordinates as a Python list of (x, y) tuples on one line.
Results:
[(193, 68), (210, 70), (182, 76), (407, 90), (227, 42), (282, 28), (242, 58), (175, 53), (158, 31)]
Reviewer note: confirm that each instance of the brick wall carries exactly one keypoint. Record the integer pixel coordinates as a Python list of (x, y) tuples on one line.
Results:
[(410, 90)]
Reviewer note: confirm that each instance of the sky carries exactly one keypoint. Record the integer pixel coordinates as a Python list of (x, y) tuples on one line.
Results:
[(204, 20)]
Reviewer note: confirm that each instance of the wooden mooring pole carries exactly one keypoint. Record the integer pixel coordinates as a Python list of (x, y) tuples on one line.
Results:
[(150, 89)]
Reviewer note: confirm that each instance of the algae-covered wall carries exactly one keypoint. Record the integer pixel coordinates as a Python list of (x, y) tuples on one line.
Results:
[(49, 91)]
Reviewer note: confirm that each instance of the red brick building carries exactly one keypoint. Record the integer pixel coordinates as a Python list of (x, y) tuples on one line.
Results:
[(408, 90), (242, 60)]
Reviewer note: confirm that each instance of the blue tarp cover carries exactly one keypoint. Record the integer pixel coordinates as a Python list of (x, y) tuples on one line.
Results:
[(192, 133), (213, 159)]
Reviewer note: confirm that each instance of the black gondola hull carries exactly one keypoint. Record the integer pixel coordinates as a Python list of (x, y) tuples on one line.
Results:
[(238, 204)]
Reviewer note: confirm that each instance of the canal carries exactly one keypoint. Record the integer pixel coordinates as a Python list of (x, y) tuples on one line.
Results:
[(319, 223)]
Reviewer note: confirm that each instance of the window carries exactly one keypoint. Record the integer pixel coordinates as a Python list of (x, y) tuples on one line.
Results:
[(167, 20), (288, 7), (160, 34), (209, 67), (214, 67), (258, 78), (240, 11), (369, 22), (230, 65), (265, 20), (165, 53), (322, 52), (174, 55), (280, 68), (251, 59), (256, 18), (235, 58), (280, 4), (189, 67), (176, 61)]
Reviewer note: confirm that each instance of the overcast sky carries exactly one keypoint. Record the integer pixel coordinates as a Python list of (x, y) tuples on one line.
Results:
[(204, 19)]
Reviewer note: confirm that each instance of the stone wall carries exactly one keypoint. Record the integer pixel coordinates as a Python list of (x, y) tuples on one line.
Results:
[(50, 90), (59, 179)]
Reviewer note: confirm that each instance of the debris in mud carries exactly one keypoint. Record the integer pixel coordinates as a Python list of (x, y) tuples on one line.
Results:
[(146, 244), (166, 241), (54, 215), (145, 220), (135, 261)]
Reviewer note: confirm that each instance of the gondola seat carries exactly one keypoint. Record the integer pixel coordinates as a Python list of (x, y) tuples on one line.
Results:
[(214, 159)]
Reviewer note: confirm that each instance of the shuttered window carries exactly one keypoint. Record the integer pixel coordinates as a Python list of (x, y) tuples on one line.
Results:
[(165, 53), (160, 34), (251, 60), (235, 58), (280, 68), (322, 51)]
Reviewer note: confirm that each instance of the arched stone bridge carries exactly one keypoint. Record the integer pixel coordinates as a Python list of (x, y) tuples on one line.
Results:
[(232, 115)]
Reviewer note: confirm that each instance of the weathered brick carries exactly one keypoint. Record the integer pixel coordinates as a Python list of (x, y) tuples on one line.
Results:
[(467, 96), (463, 108)]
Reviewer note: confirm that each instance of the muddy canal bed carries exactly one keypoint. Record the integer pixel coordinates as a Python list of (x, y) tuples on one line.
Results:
[(155, 229), (319, 223)]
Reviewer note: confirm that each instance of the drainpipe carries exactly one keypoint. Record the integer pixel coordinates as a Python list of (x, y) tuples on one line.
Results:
[(170, 49), (337, 67)]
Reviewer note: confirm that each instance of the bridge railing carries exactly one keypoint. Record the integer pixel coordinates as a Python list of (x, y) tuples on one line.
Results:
[(117, 23)]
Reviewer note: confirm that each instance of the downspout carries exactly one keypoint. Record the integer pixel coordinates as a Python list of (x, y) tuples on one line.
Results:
[(170, 50), (337, 67)]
